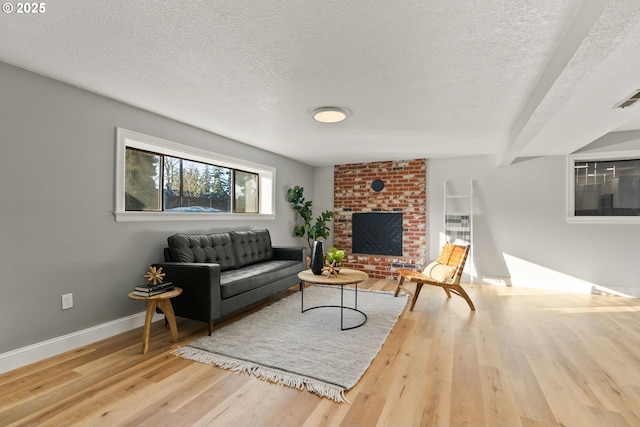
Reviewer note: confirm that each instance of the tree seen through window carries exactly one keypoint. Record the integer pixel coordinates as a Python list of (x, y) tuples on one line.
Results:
[(195, 186), (187, 185)]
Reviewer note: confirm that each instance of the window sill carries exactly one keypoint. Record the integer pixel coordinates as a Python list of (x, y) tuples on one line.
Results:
[(188, 216), (603, 219)]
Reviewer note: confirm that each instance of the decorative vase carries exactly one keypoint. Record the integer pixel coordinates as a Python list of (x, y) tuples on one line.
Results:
[(317, 257)]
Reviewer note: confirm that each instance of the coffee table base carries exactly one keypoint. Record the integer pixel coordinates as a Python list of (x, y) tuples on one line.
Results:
[(341, 307)]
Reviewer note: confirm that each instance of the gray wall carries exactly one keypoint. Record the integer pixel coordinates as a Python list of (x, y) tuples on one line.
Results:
[(57, 166), (520, 228)]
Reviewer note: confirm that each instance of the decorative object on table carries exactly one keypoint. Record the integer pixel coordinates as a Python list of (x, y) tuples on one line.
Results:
[(150, 289), (309, 351), (154, 275), (332, 263), (331, 269), (154, 285), (309, 230), (335, 256), (317, 257)]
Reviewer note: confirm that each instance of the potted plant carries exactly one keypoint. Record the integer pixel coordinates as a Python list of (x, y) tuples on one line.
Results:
[(335, 256), (306, 227)]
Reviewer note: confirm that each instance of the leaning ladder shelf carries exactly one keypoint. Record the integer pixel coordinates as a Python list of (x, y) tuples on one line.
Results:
[(458, 221)]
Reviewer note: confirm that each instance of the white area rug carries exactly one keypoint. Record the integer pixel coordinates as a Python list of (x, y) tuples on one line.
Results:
[(304, 350)]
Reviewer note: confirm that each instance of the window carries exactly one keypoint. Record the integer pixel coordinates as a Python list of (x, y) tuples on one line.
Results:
[(195, 187), (246, 191), (142, 192), (162, 180), (605, 187)]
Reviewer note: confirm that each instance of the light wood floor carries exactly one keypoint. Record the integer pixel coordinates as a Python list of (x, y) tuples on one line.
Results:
[(525, 358)]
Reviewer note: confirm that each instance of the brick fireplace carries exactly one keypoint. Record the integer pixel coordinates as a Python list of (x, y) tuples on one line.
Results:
[(398, 187)]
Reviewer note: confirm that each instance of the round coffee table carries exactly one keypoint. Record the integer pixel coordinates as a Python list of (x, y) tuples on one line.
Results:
[(346, 276)]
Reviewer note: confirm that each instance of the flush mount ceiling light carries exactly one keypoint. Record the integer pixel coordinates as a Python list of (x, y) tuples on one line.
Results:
[(329, 114)]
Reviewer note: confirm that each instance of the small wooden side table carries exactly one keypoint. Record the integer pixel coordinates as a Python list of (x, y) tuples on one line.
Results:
[(163, 302)]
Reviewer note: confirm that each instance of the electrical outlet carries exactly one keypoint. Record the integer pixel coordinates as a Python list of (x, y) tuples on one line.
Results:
[(67, 301)]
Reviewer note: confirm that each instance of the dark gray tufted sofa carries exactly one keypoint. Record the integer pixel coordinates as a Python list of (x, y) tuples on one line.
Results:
[(223, 272)]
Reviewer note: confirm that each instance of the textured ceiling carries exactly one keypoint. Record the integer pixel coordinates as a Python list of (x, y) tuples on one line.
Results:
[(421, 78)]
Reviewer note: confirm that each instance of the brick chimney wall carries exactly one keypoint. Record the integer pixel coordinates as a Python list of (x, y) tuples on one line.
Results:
[(405, 191)]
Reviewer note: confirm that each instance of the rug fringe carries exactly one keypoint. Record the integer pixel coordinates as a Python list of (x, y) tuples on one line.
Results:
[(277, 376)]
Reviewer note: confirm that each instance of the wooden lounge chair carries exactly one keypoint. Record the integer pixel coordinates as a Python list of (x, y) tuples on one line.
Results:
[(445, 272)]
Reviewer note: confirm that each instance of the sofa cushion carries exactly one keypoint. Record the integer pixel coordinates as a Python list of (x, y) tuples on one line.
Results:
[(234, 282), (209, 248), (251, 246)]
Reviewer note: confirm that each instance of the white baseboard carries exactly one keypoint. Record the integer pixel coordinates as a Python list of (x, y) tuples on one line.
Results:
[(33, 353)]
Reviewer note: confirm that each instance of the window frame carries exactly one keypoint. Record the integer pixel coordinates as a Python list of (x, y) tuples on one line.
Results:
[(571, 188), (127, 138), (234, 195)]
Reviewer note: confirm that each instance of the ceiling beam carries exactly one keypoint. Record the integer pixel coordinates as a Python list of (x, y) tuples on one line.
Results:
[(524, 129)]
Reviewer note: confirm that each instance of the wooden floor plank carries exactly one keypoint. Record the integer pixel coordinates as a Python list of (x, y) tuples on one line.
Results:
[(500, 408), (467, 406), (215, 390)]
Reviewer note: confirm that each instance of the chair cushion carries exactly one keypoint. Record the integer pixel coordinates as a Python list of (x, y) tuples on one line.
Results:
[(210, 248), (428, 268), (440, 272), (251, 246)]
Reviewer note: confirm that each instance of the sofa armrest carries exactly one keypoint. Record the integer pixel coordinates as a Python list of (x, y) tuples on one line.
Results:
[(295, 253), (200, 299)]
